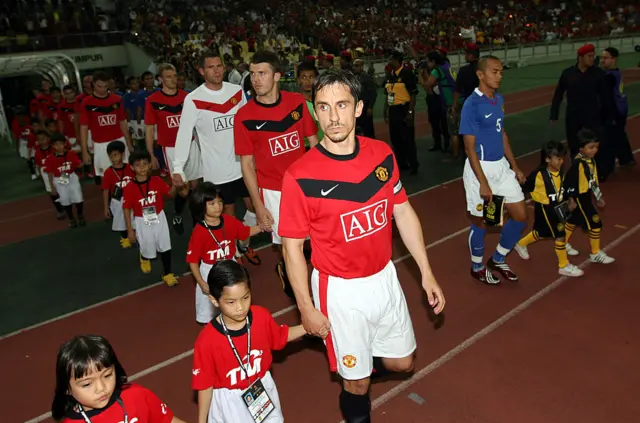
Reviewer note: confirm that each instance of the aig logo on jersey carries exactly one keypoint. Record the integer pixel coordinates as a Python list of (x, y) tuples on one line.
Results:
[(107, 120), (365, 221), (223, 123), (284, 143), (173, 121)]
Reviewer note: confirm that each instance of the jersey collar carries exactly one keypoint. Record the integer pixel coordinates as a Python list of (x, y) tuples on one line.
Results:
[(340, 157), (233, 333)]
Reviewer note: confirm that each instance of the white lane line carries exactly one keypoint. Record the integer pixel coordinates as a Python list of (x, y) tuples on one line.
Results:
[(80, 310), (401, 387)]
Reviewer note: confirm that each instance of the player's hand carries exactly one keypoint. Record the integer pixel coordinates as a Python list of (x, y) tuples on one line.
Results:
[(107, 213), (520, 176), (265, 219), (177, 180), (132, 236), (315, 323), (601, 203), (485, 192), (434, 293), (86, 158)]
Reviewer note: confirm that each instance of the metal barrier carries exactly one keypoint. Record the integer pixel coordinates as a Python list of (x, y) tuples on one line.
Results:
[(32, 43)]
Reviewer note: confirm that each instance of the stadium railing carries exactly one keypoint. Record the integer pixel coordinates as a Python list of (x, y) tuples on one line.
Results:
[(29, 43)]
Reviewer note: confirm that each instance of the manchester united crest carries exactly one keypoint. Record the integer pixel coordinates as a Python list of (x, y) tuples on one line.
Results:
[(234, 101), (295, 115), (349, 361), (382, 174)]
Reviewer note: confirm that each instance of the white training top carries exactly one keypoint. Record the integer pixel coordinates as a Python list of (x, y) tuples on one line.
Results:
[(212, 114)]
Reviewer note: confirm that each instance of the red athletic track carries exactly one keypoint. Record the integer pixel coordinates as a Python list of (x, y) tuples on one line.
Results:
[(31, 217), (562, 370)]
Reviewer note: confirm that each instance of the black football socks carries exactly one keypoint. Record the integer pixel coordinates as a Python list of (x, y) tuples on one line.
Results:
[(355, 408)]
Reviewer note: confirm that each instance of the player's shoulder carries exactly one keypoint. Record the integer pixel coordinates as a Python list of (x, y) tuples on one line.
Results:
[(377, 146), (114, 97), (292, 97), (231, 88), (305, 164)]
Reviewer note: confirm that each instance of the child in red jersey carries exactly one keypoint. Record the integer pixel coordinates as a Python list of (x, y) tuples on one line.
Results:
[(27, 147), (143, 206), (43, 151), (115, 179), (213, 239), (232, 355), (61, 167), (92, 387)]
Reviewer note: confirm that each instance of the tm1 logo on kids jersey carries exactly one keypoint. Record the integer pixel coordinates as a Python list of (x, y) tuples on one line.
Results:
[(150, 200)]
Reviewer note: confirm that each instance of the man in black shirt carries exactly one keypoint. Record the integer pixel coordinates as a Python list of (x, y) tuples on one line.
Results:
[(369, 95), (466, 81), (586, 99)]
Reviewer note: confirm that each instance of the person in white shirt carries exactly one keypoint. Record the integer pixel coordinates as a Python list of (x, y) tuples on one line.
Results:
[(210, 109)]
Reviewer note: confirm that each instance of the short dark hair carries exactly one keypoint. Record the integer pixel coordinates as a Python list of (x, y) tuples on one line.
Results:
[(204, 192), (587, 136), (138, 156), (482, 63), (101, 76), (49, 121), (54, 90), (264, 56), (57, 137), (77, 358), (612, 51), (115, 146), (68, 87), (224, 274), (308, 65), (43, 133), (209, 54), (338, 77), (145, 73), (131, 78), (551, 148)]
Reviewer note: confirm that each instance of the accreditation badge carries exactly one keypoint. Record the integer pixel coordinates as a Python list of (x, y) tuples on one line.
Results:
[(257, 400), (493, 212)]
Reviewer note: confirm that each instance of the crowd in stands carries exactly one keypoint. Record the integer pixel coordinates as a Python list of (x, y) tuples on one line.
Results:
[(177, 30)]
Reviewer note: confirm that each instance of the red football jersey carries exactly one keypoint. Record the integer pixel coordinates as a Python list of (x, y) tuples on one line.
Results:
[(51, 110), (41, 156), (103, 117), (137, 195), (214, 363), (20, 130), (32, 139), (79, 99), (142, 406), (202, 246), (34, 107), (274, 134), (117, 178), (43, 99), (346, 210), (164, 111), (67, 163), (67, 115)]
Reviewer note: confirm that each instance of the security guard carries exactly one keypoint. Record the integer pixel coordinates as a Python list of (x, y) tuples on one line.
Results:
[(401, 90)]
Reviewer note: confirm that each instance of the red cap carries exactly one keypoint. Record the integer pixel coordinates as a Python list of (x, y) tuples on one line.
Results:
[(442, 50), (586, 49), (328, 57), (345, 54), (472, 48)]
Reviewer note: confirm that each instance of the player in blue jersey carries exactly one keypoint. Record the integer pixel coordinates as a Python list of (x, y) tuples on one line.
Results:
[(490, 169)]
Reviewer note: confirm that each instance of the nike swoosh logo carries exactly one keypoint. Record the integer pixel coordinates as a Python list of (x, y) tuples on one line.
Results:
[(260, 126), (325, 193), (488, 116), (161, 107)]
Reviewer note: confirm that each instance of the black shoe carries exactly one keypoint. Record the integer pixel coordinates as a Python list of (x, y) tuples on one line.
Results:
[(82, 222), (73, 223), (177, 225), (281, 270)]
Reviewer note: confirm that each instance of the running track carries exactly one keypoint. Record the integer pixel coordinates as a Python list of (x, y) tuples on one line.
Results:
[(491, 358)]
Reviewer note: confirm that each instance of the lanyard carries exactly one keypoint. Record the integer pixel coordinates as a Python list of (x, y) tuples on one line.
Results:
[(144, 195), (212, 235), (116, 171), (233, 347), (558, 191), (88, 420)]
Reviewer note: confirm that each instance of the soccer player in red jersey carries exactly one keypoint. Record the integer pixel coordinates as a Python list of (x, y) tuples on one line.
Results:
[(51, 109), (269, 135), (102, 114), (67, 117), (342, 194), (34, 105), (163, 110)]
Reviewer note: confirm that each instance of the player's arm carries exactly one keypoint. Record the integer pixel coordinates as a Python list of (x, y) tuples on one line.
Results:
[(184, 138), (83, 123), (511, 158), (124, 126), (411, 233), (468, 130), (250, 177)]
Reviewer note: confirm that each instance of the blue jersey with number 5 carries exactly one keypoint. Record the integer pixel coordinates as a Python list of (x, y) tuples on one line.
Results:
[(483, 117)]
